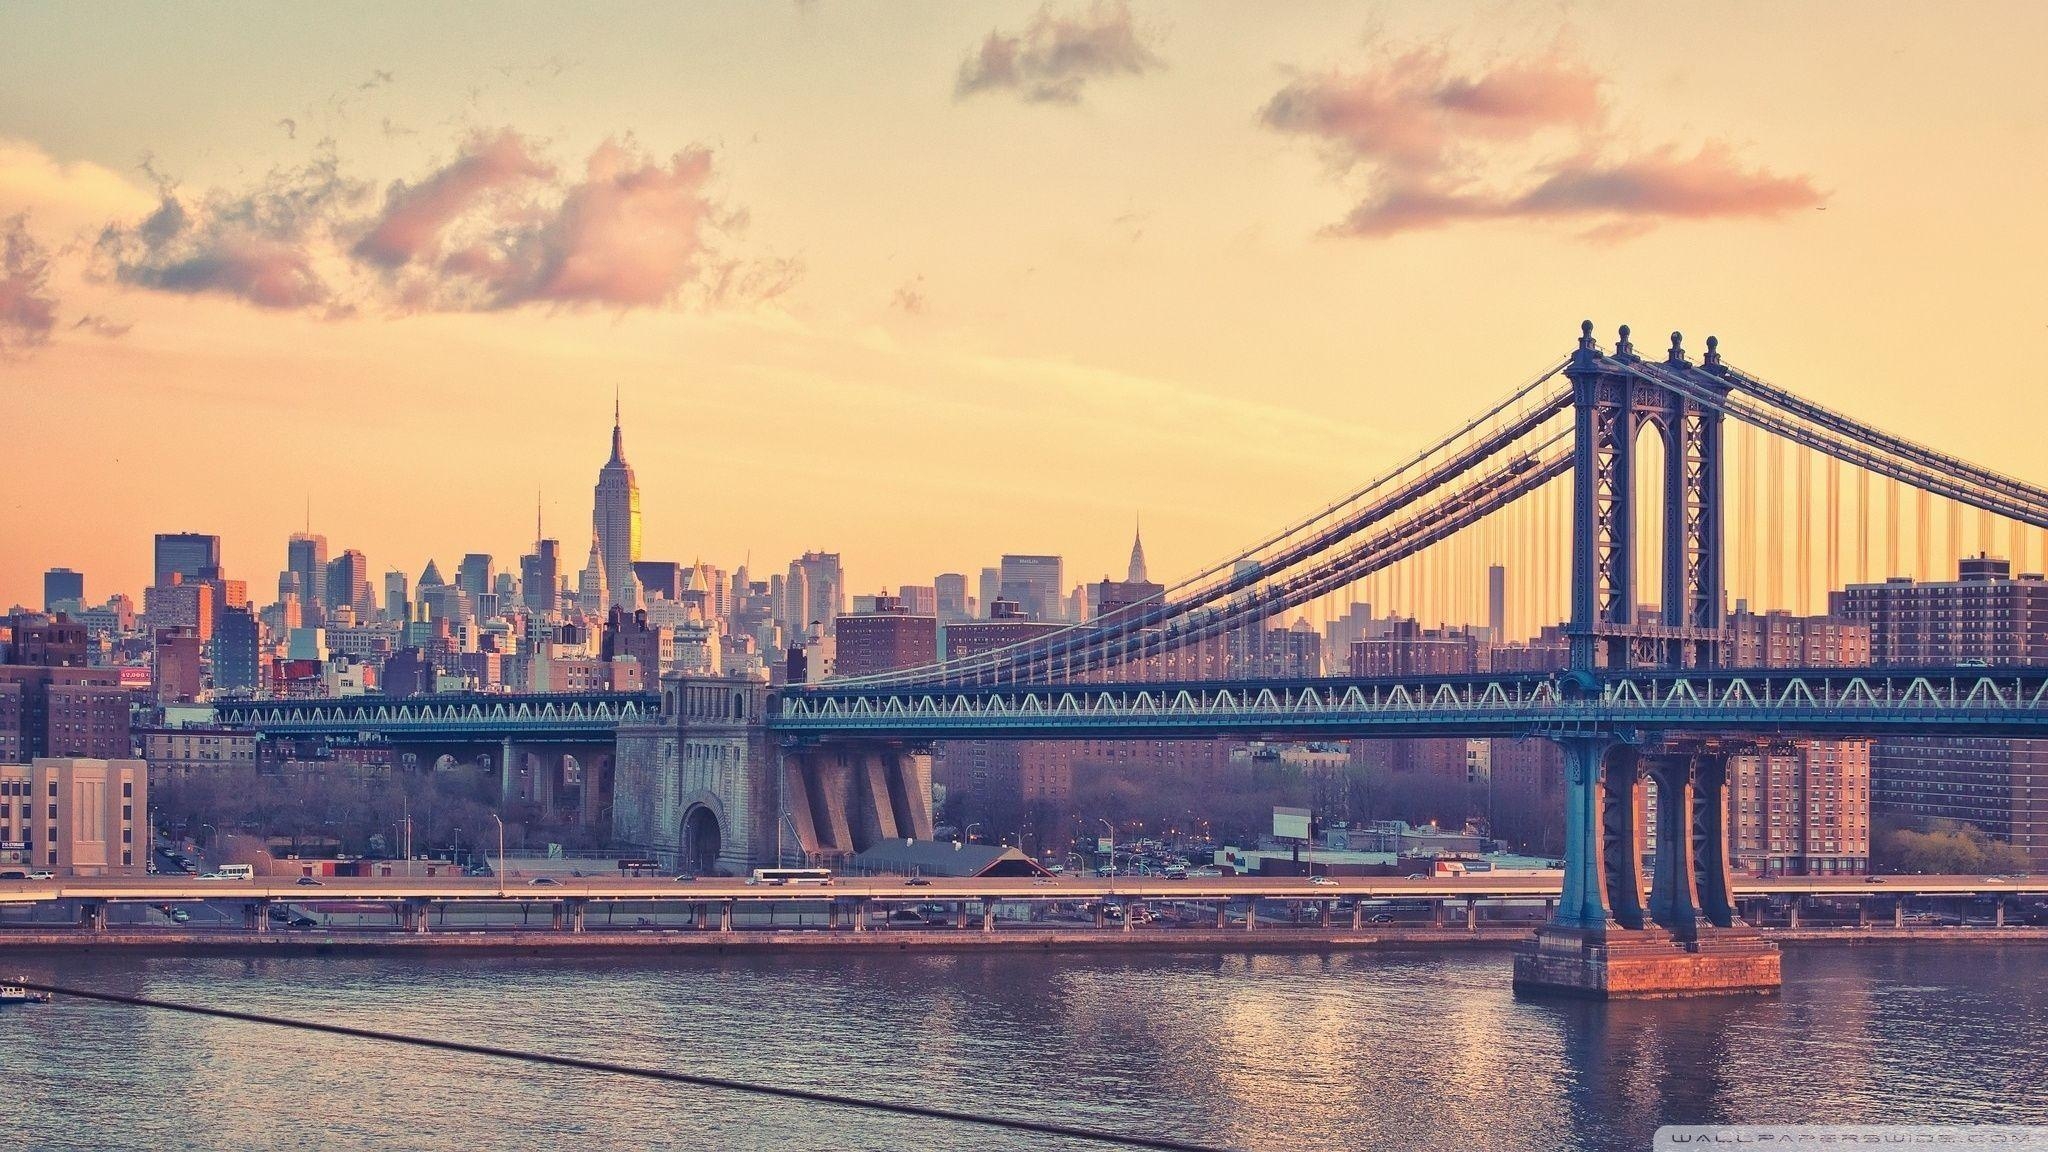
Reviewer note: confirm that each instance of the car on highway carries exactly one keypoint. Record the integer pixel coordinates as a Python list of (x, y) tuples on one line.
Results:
[(1323, 881), (180, 916), (307, 882), (543, 880), (918, 882), (42, 875)]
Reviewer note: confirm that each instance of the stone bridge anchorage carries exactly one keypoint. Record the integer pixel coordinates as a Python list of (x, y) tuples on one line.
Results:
[(708, 788)]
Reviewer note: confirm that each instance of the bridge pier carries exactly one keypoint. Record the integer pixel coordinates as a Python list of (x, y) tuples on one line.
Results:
[(1603, 940), (93, 914), (988, 915), (1357, 914), (1222, 915)]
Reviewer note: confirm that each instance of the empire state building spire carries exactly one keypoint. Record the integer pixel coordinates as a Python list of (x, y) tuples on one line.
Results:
[(616, 520)]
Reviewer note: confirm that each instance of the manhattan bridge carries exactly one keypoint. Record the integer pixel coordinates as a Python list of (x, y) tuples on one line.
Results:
[(1626, 491)]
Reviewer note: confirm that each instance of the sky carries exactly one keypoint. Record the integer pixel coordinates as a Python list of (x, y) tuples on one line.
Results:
[(926, 283)]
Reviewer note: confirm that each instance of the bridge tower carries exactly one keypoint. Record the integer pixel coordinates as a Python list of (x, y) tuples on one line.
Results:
[(1608, 938), (1611, 406)]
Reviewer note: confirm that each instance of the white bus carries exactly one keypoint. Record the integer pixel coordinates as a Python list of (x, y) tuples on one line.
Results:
[(792, 876), (231, 872)]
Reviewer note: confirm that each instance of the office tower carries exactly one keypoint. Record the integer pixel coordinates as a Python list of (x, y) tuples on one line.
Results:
[(824, 599), (63, 591), (990, 590), (189, 556), (1036, 583), (397, 603), (1497, 602), (473, 575), (919, 599), (950, 588), (663, 578), (348, 582), (591, 598), (306, 556), (540, 577), (615, 521), (235, 645)]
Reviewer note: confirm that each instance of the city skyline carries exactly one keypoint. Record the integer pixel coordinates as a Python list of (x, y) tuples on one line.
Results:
[(1121, 377)]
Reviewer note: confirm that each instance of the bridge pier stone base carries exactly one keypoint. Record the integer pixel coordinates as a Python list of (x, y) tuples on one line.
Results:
[(1648, 963), (1603, 942)]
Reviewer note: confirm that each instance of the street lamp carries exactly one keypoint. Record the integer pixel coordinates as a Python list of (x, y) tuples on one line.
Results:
[(501, 854), (969, 834)]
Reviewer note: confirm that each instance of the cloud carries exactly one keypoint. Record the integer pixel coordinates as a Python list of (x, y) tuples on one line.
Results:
[(497, 227), (415, 215), (291, 128), (633, 232), (27, 309), (105, 326), (1522, 139), (259, 245), (65, 197), (909, 298), (1412, 112), (1057, 54)]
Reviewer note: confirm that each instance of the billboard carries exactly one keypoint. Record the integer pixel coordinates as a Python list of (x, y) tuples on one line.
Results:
[(1290, 823), (1104, 845)]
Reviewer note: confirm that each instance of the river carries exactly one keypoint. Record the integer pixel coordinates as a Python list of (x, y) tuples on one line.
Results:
[(1345, 1051)]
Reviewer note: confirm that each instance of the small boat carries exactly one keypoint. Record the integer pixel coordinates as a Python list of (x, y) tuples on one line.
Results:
[(18, 993)]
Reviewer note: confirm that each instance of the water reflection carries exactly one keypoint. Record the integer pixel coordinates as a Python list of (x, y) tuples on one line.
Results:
[(1424, 1051)]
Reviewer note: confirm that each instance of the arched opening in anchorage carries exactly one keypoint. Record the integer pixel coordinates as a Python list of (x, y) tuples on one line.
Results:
[(702, 841)]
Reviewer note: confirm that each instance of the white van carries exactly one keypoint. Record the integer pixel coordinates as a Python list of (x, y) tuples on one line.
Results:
[(231, 872)]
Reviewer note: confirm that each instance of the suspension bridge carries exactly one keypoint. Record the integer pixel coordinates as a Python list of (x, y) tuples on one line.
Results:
[(1629, 498)]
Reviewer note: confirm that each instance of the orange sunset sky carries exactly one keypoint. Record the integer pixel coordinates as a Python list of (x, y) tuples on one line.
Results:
[(924, 283)]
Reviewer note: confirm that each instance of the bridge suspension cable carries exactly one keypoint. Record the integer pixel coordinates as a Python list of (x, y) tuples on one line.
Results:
[(1470, 447)]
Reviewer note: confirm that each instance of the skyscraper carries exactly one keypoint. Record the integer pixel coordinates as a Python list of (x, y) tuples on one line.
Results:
[(825, 588), (63, 591), (191, 556), (306, 555), (397, 602), (348, 582), (473, 575), (951, 590), (1036, 583), (616, 521)]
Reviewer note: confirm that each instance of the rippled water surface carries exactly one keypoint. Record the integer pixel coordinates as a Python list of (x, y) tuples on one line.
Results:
[(1351, 1051)]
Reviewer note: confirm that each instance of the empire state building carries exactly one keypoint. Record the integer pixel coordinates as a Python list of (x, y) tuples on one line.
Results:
[(616, 521)]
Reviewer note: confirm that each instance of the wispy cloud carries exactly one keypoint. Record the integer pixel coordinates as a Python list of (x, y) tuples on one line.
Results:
[(1436, 145), (1058, 53), (28, 310)]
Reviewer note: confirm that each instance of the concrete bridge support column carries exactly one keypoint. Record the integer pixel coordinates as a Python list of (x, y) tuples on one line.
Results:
[(1621, 837), (701, 917), (1792, 916), (93, 914), (860, 914), (1323, 913), (1997, 913), (1357, 915), (1899, 912), (960, 917), (988, 914), (557, 915), (1101, 914), (1713, 893), (417, 909), (1674, 901), (576, 914), (256, 915), (1471, 915), (725, 916), (1251, 914), (1222, 914), (1436, 913), (1130, 915), (508, 772), (1862, 912), (1584, 898)]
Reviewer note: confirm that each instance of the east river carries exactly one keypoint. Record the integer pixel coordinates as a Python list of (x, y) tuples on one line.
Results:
[(1345, 1051)]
